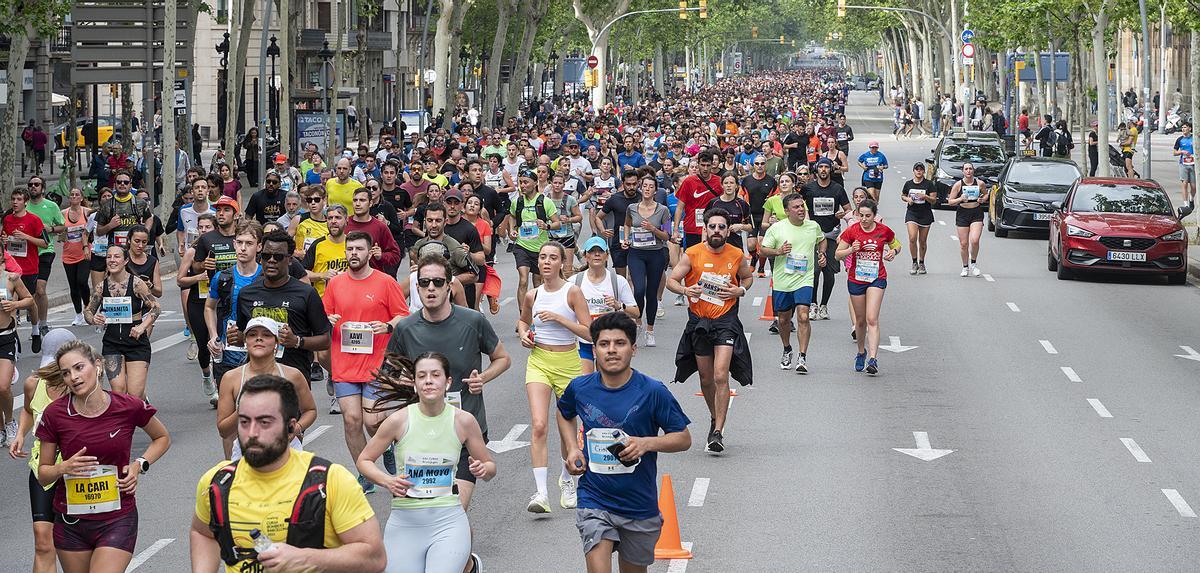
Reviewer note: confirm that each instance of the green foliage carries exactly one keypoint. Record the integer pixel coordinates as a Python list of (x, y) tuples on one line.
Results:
[(42, 16)]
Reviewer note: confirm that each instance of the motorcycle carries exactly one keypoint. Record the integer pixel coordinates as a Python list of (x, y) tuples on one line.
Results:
[(1175, 120)]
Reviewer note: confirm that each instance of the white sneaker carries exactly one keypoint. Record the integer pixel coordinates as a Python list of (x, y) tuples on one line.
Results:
[(569, 497), (10, 432), (964, 272), (662, 311), (538, 504), (678, 300), (650, 341), (812, 312), (334, 407), (785, 361), (79, 320), (975, 270), (210, 391), (193, 351), (823, 312), (801, 365)]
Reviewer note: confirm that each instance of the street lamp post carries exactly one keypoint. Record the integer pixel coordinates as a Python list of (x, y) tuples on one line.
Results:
[(273, 112), (326, 56), (552, 63), (222, 83), (463, 58)]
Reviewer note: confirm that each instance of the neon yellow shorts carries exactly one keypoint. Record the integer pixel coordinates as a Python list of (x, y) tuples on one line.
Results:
[(554, 369)]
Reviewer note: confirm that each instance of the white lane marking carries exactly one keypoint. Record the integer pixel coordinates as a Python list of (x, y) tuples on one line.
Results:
[(942, 223), (954, 238), (1013, 306), (748, 334), (165, 343), (147, 553), (1176, 500), (699, 492), (1191, 353), (1071, 375), (316, 433), (507, 301), (1099, 408), (989, 278), (1049, 347), (1136, 450), (509, 442), (757, 301), (680, 565)]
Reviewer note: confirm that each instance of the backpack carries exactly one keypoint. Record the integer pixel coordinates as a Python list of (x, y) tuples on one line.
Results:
[(540, 207), (612, 280), (306, 526), (1062, 143), (224, 293)]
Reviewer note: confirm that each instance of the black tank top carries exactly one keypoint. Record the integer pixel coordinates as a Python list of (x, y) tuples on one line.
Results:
[(145, 271), (119, 333)]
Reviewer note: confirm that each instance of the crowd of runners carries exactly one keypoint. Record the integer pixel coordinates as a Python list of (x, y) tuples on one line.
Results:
[(375, 276)]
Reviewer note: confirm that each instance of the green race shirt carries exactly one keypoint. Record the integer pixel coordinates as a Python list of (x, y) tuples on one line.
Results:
[(795, 270), (526, 240), (51, 216)]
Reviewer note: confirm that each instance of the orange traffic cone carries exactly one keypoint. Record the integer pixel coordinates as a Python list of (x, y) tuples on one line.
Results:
[(669, 545), (769, 306)]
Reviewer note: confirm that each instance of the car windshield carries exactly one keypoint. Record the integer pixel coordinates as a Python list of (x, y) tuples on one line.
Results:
[(975, 153), (1112, 198), (1030, 173)]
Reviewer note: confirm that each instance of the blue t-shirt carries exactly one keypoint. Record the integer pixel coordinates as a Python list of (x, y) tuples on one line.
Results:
[(1185, 143), (876, 163), (634, 160), (642, 407), (746, 159), (239, 281), (312, 177)]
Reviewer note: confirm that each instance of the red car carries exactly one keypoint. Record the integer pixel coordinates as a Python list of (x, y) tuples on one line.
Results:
[(1118, 225)]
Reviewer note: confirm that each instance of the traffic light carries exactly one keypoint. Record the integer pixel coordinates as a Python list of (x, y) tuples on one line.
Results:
[(703, 9), (841, 10), (754, 32), (781, 40), (683, 9)]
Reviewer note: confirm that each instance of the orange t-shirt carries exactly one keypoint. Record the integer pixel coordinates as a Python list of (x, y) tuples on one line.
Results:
[(377, 297), (711, 269)]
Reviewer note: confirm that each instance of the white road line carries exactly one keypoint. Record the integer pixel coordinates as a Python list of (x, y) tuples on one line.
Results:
[(1136, 450), (18, 402), (748, 334), (316, 433), (1013, 306), (680, 565), (1071, 375), (1176, 500), (165, 343), (1049, 347), (147, 553), (954, 238), (757, 301), (1099, 408), (507, 301), (989, 278), (699, 492)]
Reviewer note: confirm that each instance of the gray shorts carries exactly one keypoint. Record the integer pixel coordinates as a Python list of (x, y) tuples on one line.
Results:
[(1187, 173), (634, 539)]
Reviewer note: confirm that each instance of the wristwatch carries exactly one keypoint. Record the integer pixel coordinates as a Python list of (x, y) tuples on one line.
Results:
[(143, 465), (389, 327)]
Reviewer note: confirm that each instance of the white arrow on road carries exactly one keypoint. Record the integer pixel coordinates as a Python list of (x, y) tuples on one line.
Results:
[(510, 440), (1191, 353), (895, 345), (923, 451)]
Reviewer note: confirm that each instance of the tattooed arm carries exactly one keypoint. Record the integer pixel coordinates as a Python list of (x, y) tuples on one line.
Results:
[(91, 313)]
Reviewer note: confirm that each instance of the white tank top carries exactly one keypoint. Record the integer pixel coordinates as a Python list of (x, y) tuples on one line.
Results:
[(556, 302)]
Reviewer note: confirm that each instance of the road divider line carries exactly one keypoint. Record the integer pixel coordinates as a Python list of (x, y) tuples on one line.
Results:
[(507, 301), (165, 343), (316, 433), (699, 492), (1136, 450), (1013, 306), (1099, 408), (1071, 375), (1176, 500), (954, 238), (1049, 347), (147, 553), (680, 565), (989, 278), (757, 301), (748, 334)]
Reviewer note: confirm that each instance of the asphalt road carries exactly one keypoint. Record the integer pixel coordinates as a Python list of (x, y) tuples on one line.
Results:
[(1069, 416)]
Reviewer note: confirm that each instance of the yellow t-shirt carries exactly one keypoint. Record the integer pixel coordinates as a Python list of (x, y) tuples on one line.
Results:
[(308, 230), (264, 501), (323, 256), (342, 193)]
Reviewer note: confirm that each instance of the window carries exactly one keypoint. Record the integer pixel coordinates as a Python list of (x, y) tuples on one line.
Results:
[(324, 16), (1039, 174), (1109, 198)]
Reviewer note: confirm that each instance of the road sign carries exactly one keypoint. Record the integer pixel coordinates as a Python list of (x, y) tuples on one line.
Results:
[(968, 51), (967, 36), (968, 61), (181, 99), (593, 62)]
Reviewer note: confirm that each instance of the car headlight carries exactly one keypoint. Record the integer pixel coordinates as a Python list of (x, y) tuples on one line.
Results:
[(1017, 203), (941, 174), (1176, 236), (1074, 231)]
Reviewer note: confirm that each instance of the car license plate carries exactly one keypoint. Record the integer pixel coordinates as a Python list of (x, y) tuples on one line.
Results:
[(1126, 256), (1041, 216)]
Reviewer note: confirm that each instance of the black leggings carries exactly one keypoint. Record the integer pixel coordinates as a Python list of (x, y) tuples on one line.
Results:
[(77, 279), (646, 272), (195, 320), (830, 272)]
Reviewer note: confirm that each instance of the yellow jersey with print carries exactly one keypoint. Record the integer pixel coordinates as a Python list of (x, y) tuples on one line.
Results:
[(323, 256), (308, 230), (342, 193)]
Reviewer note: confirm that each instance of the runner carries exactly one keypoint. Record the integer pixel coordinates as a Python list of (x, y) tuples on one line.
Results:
[(93, 430), (841, 164), (568, 213), (123, 304), (919, 194), (867, 244), (475, 214), (827, 202), (739, 210), (427, 530), (141, 263), (271, 481), (385, 254), (758, 185), (23, 234), (791, 243), (1184, 148), (53, 224), (553, 315), (695, 192), (340, 188), (76, 250), (196, 285), (713, 336), (220, 305), (14, 296), (611, 221), (97, 262), (325, 258), (267, 204), (262, 339), (969, 195), (618, 500), (436, 241), (364, 305), (530, 217), (874, 164), (311, 225), (605, 291), (646, 237)]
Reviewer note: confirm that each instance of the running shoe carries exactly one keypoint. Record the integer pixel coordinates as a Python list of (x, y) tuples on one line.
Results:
[(389, 459), (662, 311), (975, 272), (538, 504), (822, 312), (334, 407), (477, 563), (210, 391), (45, 327), (569, 497), (716, 442), (801, 365), (964, 272), (812, 312), (79, 320), (650, 341), (315, 372), (678, 300), (193, 351), (774, 328), (872, 367), (920, 268), (860, 361), (35, 343), (914, 269), (187, 333), (785, 361), (10, 432), (366, 485)]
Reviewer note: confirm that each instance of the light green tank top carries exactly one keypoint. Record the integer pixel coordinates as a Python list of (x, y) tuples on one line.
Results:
[(41, 399), (428, 453)]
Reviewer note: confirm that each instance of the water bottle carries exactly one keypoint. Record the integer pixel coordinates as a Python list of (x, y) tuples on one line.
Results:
[(262, 543)]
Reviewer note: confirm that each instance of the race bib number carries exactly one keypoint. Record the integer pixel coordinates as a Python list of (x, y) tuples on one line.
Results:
[(529, 231), (917, 196), (357, 338), (120, 238), (1189, 159), (971, 192), (796, 264), (117, 309), (699, 217), (100, 248), (18, 248), (190, 237), (823, 206), (432, 475), (643, 239), (600, 460), (4, 296), (204, 287), (75, 234), (866, 270), (711, 285), (874, 173), (454, 399), (308, 241), (95, 492), (842, 136)]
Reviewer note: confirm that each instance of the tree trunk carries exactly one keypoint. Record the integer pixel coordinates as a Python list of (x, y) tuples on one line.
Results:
[(1100, 71), (239, 42), (659, 62), (927, 68), (289, 21), (18, 51), (170, 10), (363, 131), (454, 72), (331, 143), (491, 92), (71, 167), (600, 42), (533, 13), (1040, 87), (441, 54), (127, 119)]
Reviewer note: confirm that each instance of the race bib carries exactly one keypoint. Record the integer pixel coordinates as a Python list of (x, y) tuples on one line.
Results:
[(120, 238), (842, 136), (917, 196), (357, 338), (874, 173), (117, 309), (4, 296), (94, 493), (454, 399), (866, 270), (18, 248), (75, 234), (190, 237), (432, 475), (100, 248), (971, 192), (796, 264), (308, 241), (529, 231), (699, 217), (711, 285), (823, 206), (204, 287), (600, 460), (1189, 159), (643, 239)]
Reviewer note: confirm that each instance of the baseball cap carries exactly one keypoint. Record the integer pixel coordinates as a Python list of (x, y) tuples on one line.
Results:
[(454, 193), (595, 242), (824, 161), (421, 145), (52, 341), (918, 166), (267, 323), (873, 144), (227, 202), (280, 158)]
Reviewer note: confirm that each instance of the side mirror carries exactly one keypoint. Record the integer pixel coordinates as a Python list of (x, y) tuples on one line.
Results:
[(1057, 205), (929, 160), (1186, 209)]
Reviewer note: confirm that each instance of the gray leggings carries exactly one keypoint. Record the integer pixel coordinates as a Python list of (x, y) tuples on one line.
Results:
[(427, 540)]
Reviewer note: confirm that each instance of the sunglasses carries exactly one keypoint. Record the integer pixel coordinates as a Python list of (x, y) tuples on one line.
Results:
[(373, 187), (759, 163), (717, 227), (274, 256), (124, 182), (32, 184), (314, 199), (426, 281)]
